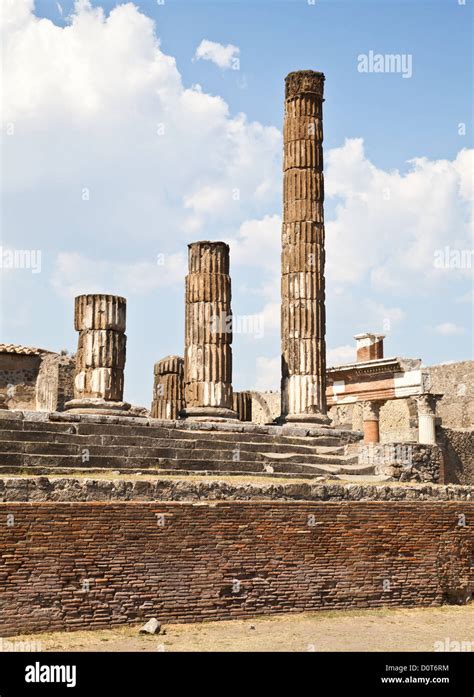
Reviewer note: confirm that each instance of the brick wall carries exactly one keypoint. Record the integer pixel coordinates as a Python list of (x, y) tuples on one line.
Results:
[(225, 560)]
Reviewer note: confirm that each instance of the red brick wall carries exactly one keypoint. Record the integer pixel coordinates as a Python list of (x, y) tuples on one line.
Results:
[(370, 353), (224, 560)]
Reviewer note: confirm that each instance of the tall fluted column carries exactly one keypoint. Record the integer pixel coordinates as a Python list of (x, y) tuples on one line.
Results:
[(100, 357), (303, 322), (168, 388), (208, 333)]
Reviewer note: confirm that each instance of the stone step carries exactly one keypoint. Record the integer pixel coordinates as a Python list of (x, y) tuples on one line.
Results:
[(205, 435), (68, 423), (24, 461), (261, 433), (43, 437), (368, 478), (347, 469), (70, 472), (312, 456)]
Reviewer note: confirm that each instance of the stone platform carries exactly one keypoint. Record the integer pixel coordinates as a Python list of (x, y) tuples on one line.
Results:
[(42, 442)]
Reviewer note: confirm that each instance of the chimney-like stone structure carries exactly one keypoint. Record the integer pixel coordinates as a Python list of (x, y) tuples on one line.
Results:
[(208, 333), (243, 405), (168, 388), (369, 346), (100, 357), (303, 322)]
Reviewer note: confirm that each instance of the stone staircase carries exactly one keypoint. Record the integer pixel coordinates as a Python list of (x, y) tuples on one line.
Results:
[(40, 443)]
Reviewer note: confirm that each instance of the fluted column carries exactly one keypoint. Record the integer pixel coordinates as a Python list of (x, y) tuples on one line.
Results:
[(208, 333), (303, 322), (100, 357), (168, 388), (243, 405)]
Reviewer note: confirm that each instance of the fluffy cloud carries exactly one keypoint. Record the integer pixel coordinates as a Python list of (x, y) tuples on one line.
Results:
[(387, 226), (223, 56), (109, 145), (268, 374), (257, 244), (449, 329), (75, 274), (341, 355), (112, 161)]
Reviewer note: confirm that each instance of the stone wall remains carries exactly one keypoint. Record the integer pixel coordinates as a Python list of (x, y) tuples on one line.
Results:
[(73, 489), (92, 565), (456, 382), (266, 407), (55, 382), (404, 462), (18, 374), (458, 450)]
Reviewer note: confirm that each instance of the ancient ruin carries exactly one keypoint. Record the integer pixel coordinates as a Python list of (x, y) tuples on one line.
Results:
[(303, 320), (243, 405), (100, 357), (168, 388), (327, 507), (208, 333)]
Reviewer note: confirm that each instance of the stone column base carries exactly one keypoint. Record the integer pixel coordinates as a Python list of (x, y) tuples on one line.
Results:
[(98, 406), (310, 419), (209, 414)]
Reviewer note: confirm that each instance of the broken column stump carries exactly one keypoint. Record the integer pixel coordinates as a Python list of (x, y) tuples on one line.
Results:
[(100, 357), (243, 405), (168, 388), (208, 333)]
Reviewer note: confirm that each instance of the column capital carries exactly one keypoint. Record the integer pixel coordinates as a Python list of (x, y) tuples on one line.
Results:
[(427, 403), (371, 409), (304, 82)]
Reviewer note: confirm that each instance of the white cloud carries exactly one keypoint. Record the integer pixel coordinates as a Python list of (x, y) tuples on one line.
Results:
[(466, 297), (98, 105), (74, 274), (387, 225), (378, 317), (341, 355), (449, 329), (223, 56), (268, 374), (258, 244)]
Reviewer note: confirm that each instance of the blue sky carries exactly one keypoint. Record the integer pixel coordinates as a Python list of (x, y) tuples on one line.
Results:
[(144, 201)]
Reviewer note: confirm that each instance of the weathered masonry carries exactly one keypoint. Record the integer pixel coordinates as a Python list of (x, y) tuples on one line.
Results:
[(303, 319), (112, 563), (208, 333)]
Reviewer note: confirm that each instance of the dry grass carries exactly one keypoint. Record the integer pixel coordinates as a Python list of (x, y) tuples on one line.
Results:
[(414, 629)]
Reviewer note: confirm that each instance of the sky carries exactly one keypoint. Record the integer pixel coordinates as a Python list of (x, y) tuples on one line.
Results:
[(130, 130)]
